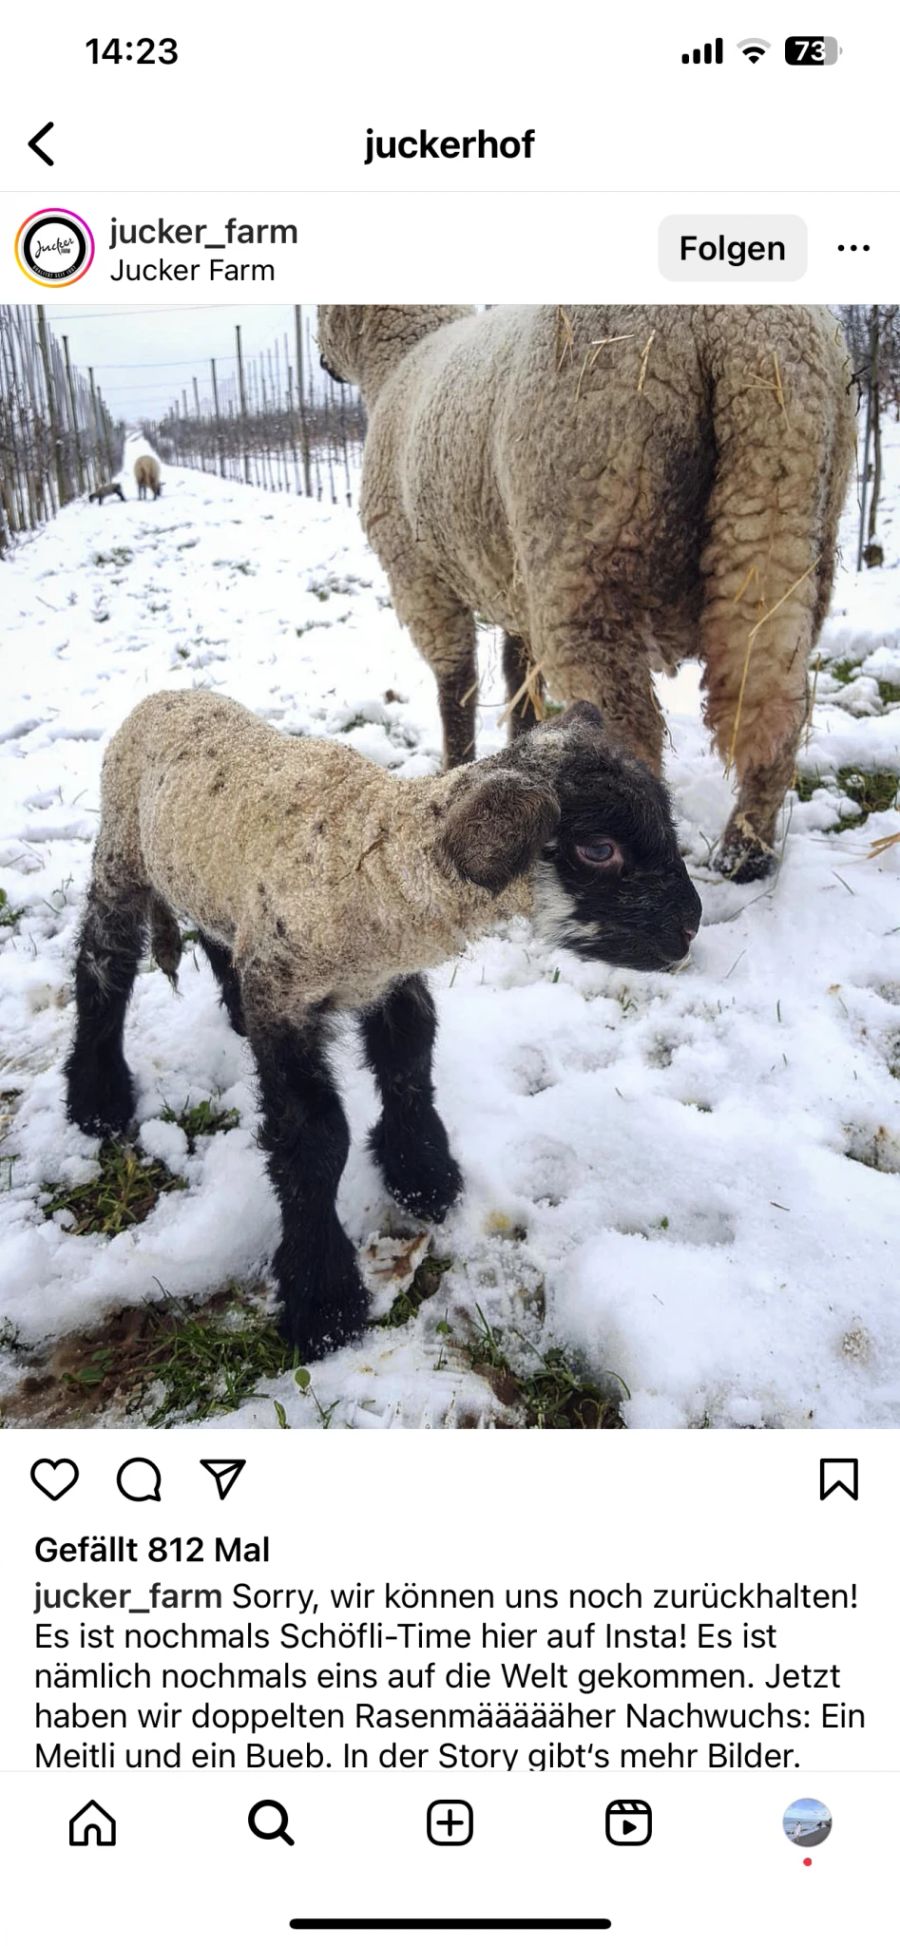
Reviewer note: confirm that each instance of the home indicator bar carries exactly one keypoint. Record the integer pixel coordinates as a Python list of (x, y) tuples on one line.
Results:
[(451, 1925)]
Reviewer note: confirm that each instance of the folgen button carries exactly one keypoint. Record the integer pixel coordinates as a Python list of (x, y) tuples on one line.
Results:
[(733, 249)]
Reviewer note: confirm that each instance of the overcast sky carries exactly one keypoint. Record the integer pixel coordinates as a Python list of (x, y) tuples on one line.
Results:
[(145, 355)]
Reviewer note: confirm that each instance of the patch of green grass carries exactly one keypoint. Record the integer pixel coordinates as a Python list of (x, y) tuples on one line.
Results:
[(124, 1191), (873, 790), (9, 914), (425, 1284), (202, 1119), (845, 671), (210, 1362), (160, 1362), (545, 1385), (97, 1368)]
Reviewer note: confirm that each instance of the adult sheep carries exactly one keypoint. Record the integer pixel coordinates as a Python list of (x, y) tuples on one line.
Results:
[(618, 490), (146, 472)]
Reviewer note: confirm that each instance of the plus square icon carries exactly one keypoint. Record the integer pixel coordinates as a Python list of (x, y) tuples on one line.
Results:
[(450, 1821)]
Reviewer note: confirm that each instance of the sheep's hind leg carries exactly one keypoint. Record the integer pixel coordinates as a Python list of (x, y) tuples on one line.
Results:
[(99, 1088), (593, 663), (443, 630), (229, 985), (523, 715), (305, 1135), (409, 1141), (747, 850)]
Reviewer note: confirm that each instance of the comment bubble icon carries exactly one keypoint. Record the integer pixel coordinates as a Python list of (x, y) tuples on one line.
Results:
[(139, 1479)]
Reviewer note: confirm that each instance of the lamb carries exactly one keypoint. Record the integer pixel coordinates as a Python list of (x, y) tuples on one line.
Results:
[(106, 491), (618, 489), (320, 883), (146, 472)]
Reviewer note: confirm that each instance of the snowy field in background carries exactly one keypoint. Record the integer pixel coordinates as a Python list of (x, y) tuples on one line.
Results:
[(691, 1181)]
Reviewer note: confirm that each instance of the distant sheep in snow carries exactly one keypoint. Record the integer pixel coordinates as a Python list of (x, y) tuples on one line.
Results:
[(320, 883), (146, 472), (109, 489), (618, 489)]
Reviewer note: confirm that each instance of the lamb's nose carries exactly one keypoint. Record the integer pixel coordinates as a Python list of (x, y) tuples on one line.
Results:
[(690, 932)]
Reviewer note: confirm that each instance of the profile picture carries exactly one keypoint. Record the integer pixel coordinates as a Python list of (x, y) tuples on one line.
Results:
[(807, 1822)]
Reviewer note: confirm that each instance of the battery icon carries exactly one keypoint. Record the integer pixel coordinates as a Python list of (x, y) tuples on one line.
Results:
[(814, 51)]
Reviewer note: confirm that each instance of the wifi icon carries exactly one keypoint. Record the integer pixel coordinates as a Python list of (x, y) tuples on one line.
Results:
[(754, 49)]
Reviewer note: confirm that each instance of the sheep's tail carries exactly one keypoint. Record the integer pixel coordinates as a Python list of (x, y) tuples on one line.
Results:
[(165, 938)]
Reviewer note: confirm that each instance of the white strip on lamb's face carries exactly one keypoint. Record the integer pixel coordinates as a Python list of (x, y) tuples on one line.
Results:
[(553, 911)]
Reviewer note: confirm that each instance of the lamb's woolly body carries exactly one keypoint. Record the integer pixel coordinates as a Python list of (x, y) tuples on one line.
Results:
[(620, 489), (318, 881), (303, 858)]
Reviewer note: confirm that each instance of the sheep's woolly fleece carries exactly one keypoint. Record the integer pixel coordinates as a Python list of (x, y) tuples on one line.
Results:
[(693, 1180)]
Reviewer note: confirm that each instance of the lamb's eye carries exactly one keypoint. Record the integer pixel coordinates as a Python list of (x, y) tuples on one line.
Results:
[(604, 856)]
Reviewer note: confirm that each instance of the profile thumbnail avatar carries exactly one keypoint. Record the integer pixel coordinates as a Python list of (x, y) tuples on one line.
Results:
[(807, 1822)]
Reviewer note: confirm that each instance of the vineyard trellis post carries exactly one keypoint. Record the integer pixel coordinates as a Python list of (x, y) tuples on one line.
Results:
[(76, 430), (301, 407), (242, 392), (63, 488), (215, 392)]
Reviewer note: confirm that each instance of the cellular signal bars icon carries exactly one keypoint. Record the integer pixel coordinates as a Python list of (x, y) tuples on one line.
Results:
[(711, 54)]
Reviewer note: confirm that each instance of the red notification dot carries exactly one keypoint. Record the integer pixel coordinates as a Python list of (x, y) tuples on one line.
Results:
[(807, 1861)]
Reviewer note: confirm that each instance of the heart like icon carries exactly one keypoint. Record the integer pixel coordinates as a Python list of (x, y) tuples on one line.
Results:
[(54, 1477)]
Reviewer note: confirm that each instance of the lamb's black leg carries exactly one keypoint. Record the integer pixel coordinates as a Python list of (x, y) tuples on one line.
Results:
[(305, 1134), (223, 967), (409, 1141), (100, 1093), (516, 665)]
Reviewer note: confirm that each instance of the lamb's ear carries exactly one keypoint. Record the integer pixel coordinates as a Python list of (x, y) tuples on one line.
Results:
[(495, 830), (579, 713)]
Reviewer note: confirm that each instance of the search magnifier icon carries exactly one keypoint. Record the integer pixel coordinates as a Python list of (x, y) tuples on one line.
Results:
[(279, 1829)]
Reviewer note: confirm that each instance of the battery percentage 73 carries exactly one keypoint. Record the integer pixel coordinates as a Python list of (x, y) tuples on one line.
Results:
[(815, 52)]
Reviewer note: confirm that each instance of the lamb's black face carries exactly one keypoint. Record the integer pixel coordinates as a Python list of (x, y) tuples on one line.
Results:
[(612, 884)]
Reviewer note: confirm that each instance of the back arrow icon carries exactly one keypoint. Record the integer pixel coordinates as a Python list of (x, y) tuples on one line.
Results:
[(35, 142)]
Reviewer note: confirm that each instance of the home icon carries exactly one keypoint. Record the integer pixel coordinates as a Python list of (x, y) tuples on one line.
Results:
[(92, 1826)]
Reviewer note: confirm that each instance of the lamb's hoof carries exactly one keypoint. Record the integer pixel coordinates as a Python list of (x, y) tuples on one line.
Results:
[(324, 1308), (99, 1095), (743, 859), (418, 1168)]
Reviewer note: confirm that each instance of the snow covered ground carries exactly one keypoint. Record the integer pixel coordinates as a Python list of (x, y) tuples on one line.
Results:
[(692, 1182)]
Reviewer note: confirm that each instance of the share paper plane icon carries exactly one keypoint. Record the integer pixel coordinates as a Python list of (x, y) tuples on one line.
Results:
[(224, 1472)]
